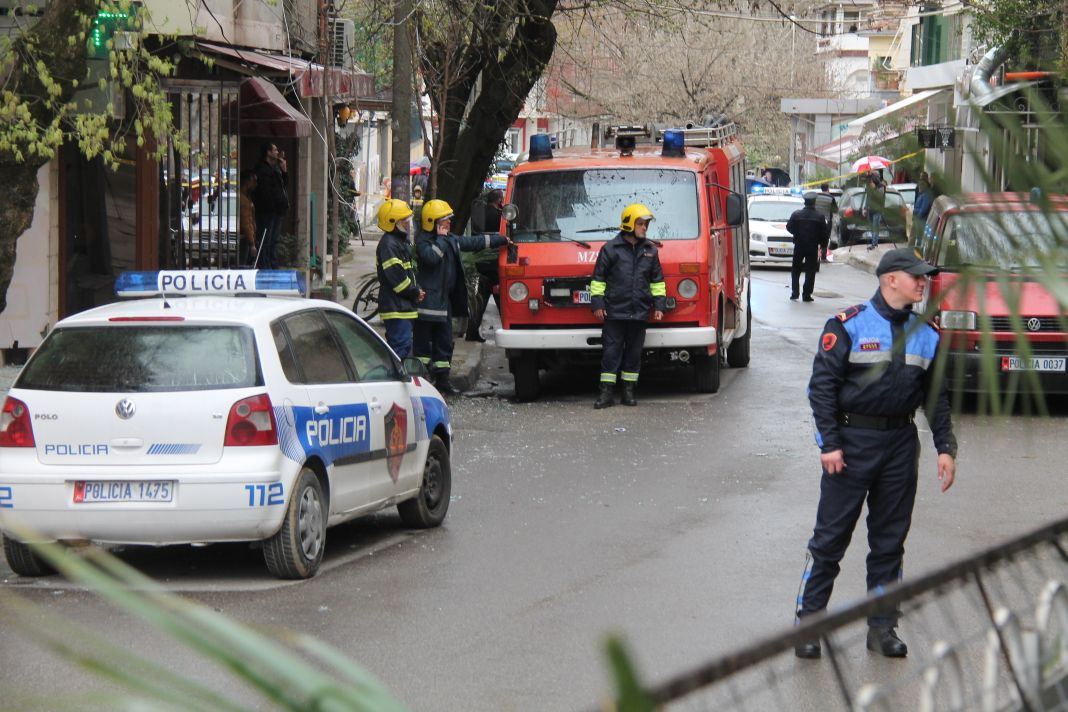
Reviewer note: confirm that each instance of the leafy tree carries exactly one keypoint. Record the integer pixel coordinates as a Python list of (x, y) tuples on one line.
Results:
[(1031, 31), (44, 66)]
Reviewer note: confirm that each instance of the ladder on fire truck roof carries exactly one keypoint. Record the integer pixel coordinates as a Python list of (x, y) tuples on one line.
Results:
[(698, 136)]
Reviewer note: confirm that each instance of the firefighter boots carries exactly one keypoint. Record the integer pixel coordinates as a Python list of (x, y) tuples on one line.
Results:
[(628, 393), (606, 399)]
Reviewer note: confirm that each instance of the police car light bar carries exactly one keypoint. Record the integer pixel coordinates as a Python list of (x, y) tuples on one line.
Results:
[(200, 282)]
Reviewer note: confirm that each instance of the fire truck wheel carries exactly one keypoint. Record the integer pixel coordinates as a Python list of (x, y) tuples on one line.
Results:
[(738, 351), (706, 372), (525, 369)]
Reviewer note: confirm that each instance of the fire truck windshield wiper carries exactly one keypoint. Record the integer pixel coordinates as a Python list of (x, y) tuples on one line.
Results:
[(600, 229), (553, 232)]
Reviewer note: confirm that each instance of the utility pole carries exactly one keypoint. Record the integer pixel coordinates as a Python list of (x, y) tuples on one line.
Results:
[(326, 9), (401, 112)]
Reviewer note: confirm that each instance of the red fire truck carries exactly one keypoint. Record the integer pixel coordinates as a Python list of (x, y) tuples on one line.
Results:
[(563, 206)]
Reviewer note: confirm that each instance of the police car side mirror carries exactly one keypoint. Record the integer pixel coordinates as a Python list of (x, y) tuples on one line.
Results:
[(735, 209), (415, 367)]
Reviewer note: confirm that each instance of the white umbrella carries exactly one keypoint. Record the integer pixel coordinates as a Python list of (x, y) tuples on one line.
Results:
[(871, 163)]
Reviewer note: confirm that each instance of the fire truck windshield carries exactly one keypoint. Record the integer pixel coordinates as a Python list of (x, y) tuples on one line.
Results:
[(584, 204)]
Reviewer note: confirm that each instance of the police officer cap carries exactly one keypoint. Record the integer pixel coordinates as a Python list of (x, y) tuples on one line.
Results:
[(905, 260), (810, 199)]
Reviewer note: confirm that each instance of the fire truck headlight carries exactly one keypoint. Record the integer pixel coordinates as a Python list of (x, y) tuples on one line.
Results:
[(687, 289), (518, 292), (962, 320)]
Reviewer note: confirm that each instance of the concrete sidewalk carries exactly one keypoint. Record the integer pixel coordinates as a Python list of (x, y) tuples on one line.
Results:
[(861, 257)]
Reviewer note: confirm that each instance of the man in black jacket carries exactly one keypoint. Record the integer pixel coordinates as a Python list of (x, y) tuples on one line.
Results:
[(627, 284), (810, 231), (398, 292), (271, 201)]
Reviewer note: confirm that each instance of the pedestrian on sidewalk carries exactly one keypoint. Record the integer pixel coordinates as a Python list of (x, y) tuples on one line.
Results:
[(874, 207), (827, 207), (271, 201), (810, 231), (441, 274), (485, 263), (872, 369), (246, 247), (398, 291), (922, 207), (628, 284)]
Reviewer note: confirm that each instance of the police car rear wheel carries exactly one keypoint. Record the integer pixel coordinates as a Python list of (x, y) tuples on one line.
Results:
[(429, 507), (23, 560), (297, 549)]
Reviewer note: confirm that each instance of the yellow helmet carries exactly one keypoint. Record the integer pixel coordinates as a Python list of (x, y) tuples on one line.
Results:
[(392, 212), (434, 210), (632, 214)]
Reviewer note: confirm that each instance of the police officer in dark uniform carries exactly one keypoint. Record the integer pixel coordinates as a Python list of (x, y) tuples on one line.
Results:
[(810, 231), (627, 284), (872, 369)]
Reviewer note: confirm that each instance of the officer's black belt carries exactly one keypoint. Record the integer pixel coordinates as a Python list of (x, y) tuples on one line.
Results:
[(874, 422)]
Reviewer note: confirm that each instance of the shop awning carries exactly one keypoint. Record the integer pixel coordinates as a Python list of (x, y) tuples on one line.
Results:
[(261, 110), (858, 126), (306, 76)]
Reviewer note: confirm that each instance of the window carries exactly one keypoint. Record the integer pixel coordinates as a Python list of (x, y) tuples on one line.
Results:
[(317, 353), (144, 359), (372, 359), (586, 204)]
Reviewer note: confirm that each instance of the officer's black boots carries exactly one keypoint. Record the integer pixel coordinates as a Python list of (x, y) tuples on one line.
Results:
[(628, 394), (809, 650), (885, 642), (606, 398)]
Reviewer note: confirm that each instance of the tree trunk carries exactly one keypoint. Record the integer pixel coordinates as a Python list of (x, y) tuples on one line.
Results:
[(18, 179), (471, 141)]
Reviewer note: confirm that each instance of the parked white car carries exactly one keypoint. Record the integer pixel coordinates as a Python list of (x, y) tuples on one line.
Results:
[(769, 242)]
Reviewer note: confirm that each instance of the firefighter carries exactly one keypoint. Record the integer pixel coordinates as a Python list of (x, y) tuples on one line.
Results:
[(441, 274), (627, 284), (872, 369), (810, 233), (398, 292)]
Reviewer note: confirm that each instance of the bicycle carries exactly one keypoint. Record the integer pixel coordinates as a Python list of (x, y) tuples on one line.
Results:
[(366, 304)]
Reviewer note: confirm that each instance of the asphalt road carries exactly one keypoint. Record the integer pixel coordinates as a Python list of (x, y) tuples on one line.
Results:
[(680, 524)]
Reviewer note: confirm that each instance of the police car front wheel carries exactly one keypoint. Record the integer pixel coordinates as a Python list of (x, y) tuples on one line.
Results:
[(429, 507), (296, 551)]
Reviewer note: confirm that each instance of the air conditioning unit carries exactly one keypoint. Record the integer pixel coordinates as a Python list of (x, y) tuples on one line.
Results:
[(342, 42)]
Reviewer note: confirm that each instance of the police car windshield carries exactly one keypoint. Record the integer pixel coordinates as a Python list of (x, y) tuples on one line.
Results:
[(556, 205), (143, 359), (773, 210), (1004, 240)]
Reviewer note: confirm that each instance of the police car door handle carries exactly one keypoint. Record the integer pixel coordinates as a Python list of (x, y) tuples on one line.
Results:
[(375, 405), (322, 409)]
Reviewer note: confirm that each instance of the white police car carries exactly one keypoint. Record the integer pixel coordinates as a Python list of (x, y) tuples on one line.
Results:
[(769, 242), (216, 411)]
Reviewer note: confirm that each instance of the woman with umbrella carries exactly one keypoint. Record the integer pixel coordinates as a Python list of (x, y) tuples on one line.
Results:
[(875, 198)]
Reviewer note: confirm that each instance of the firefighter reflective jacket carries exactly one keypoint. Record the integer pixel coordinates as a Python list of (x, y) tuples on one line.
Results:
[(441, 274), (397, 288), (627, 280)]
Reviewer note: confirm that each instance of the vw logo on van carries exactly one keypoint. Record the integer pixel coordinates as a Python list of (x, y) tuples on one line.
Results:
[(1034, 324), (125, 409)]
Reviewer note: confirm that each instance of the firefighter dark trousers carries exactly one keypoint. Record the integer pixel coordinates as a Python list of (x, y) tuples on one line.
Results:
[(807, 260), (622, 341), (433, 344), (399, 336), (881, 465)]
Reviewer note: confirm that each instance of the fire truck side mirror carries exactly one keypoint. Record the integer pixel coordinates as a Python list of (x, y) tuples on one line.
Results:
[(735, 209), (510, 212)]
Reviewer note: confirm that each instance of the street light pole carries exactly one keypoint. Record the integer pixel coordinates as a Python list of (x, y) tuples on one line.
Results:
[(793, 58)]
